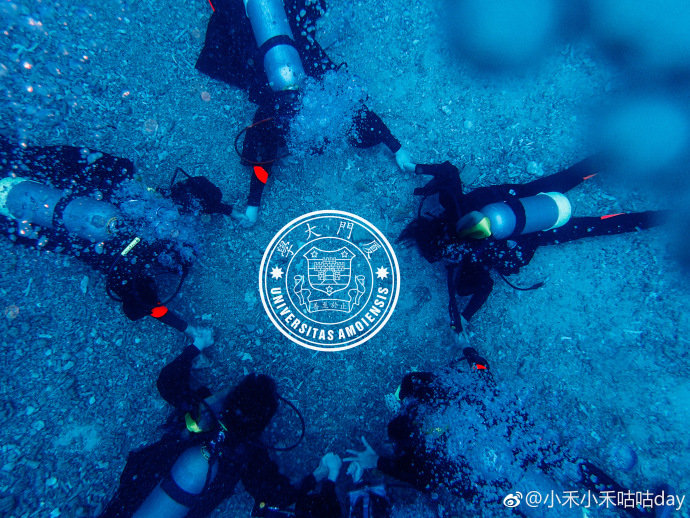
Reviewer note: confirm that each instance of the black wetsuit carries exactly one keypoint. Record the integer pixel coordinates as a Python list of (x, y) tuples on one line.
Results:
[(418, 459), (230, 54), (248, 461), (470, 261), (83, 172)]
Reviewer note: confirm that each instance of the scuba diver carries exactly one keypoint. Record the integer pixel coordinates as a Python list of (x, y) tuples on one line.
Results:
[(212, 442), (87, 204), (500, 227), (460, 431), (268, 48)]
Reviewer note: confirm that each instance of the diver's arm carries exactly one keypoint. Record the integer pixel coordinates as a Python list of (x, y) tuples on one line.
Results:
[(257, 184), (170, 318), (405, 469), (174, 381), (139, 296), (370, 130), (452, 272), (325, 502), (479, 297), (135, 309), (256, 188), (201, 337), (259, 151), (265, 483)]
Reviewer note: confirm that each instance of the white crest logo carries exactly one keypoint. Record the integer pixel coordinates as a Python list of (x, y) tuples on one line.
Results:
[(329, 280)]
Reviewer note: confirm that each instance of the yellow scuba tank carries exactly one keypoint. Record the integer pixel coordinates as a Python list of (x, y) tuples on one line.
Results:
[(502, 220), (274, 37), (32, 202)]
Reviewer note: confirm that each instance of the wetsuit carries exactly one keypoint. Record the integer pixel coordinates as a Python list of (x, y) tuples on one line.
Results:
[(84, 172), (470, 261), (246, 461), (423, 453), (230, 54)]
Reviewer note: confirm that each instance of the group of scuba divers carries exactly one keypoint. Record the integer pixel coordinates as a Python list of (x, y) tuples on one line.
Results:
[(88, 204)]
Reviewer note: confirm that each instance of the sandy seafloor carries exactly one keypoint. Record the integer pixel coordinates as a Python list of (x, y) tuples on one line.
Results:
[(605, 341)]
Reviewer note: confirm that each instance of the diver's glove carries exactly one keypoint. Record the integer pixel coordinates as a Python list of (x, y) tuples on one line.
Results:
[(355, 471), (251, 214), (361, 461), (462, 336), (328, 467), (202, 337), (404, 160)]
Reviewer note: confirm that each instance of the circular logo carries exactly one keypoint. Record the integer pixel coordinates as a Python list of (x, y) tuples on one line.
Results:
[(329, 280)]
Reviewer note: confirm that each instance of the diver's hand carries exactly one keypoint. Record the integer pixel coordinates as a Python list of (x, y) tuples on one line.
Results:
[(355, 471), (328, 467), (463, 336), (461, 339), (248, 218), (202, 337), (404, 161), (367, 458)]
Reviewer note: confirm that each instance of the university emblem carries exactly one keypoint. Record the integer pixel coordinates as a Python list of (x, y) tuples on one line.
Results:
[(329, 280)]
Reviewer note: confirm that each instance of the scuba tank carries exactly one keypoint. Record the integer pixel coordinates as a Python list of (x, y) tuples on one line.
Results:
[(193, 471), (273, 35), (32, 202), (190, 476), (502, 220)]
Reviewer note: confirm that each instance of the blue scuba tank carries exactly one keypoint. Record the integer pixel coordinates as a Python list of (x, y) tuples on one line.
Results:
[(31, 202), (503, 220), (274, 37), (191, 474)]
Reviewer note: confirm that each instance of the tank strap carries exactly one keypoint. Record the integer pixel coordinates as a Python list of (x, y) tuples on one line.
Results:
[(182, 497), (281, 39), (520, 217), (178, 494)]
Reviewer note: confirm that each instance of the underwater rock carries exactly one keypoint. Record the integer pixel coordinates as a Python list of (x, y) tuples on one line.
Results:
[(7, 505), (622, 457)]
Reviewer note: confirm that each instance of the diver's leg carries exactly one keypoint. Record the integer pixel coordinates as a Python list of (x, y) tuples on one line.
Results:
[(577, 228), (564, 180)]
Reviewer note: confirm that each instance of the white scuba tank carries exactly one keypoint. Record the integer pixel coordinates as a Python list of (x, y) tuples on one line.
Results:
[(191, 474), (544, 211), (35, 203), (274, 37)]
